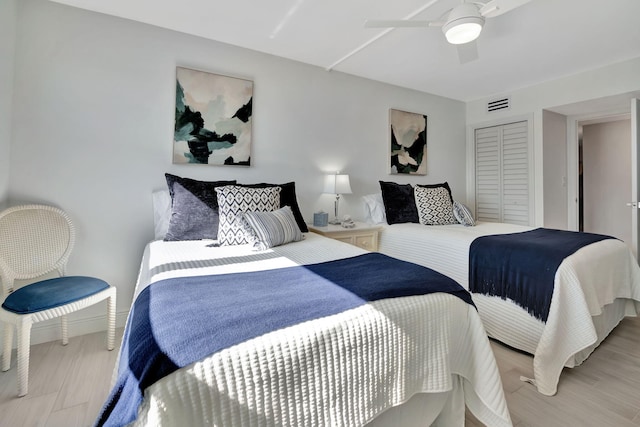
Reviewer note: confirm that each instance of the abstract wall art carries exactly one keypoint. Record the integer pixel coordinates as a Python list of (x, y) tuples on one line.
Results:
[(408, 142), (213, 119)]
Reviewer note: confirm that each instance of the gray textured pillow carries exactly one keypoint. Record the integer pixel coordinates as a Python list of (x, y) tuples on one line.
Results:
[(194, 208), (191, 218), (268, 229)]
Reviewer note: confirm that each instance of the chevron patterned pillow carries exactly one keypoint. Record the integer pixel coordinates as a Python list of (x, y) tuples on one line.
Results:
[(434, 206), (234, 200)]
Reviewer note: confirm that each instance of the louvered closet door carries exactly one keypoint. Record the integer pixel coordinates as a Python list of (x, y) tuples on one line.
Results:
[(488, 182), (502, 173)]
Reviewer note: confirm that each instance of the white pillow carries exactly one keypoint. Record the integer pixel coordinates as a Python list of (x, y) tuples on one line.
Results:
[(234, 200), (268, 229), (161, 213), (463, 214), (374, 209)]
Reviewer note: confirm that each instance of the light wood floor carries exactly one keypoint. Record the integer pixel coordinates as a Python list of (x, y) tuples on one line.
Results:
[(69, 384)]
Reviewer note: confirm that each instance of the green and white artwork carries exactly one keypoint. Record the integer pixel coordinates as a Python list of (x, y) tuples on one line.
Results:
[(213, 119), (408, 142)]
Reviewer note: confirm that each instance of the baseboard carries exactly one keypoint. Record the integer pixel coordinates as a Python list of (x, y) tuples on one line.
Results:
[(51, 329)]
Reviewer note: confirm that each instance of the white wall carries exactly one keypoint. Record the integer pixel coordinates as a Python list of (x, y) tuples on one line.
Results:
[(93, 123), (7, 49), (555, 169), (606, 159), (619, 78)]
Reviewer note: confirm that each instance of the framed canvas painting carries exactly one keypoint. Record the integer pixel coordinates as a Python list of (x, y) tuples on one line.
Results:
[(408, 142), (213, 119)]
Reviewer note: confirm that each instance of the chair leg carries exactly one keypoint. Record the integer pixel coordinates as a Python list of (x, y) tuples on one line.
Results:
[(65, 329), (7, 346), (24, 347), (111, 318)]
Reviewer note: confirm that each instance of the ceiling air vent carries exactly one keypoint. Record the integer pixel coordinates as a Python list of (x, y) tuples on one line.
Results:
[(499, 104)]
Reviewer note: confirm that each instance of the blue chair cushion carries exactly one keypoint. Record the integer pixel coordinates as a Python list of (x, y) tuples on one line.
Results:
[(52, 293)]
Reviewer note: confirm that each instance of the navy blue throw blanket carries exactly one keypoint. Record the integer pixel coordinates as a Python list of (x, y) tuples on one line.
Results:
[(522, 266), (175, 322)]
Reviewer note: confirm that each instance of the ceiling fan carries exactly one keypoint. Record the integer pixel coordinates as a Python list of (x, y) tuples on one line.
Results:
[(460, 25)]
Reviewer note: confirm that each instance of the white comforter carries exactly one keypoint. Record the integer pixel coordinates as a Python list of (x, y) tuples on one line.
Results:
[(599, 276), (344, 369)]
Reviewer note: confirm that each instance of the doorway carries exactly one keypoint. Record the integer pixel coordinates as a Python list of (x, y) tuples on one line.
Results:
[(594, 111), (604, 177)]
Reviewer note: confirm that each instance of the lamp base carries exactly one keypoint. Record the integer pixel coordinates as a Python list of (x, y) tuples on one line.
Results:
[(335, 221)]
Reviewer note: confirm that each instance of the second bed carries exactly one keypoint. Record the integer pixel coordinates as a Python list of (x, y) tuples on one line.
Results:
[(594, 289)]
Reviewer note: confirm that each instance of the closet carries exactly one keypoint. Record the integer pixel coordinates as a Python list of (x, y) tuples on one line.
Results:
[(502, 175)]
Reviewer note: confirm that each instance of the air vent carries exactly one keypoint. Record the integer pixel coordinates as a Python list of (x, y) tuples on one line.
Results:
[(499, 104)]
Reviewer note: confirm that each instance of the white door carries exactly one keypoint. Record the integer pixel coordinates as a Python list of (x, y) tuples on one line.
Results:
[(635, 185), (606, 165), (602, 204)]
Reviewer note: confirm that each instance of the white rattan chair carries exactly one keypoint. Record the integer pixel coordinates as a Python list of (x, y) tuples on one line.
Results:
[(36, 240)]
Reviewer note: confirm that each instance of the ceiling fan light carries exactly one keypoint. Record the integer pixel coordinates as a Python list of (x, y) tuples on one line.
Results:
[(463, 30)]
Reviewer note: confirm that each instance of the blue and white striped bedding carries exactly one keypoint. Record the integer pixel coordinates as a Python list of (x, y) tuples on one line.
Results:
[(345, 368)]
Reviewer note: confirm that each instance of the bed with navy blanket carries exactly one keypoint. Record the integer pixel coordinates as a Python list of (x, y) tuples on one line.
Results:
[(554, 294), (522, 266), (311, 333)]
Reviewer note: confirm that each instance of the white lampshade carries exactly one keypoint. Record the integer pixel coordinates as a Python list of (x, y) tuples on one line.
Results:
[(337, 184), (464, 24)]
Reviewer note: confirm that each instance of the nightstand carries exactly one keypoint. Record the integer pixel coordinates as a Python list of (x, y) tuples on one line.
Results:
[(362, 235)]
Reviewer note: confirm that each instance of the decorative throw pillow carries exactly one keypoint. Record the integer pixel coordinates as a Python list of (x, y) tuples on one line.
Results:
[(434, 206), (444, 184), (374, 209), (463, 214), (287, 198), (161, 200), (235, 200), (194, 208), (268, 229), (399, 202)]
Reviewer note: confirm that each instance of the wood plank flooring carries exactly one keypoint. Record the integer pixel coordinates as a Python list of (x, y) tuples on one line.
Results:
[(69, 384)]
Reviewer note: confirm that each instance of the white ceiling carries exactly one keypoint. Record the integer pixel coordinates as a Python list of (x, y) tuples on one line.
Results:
[(539, 41)]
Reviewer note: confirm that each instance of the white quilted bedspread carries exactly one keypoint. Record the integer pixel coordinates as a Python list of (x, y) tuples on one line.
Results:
[(586, 282), (341, 370)]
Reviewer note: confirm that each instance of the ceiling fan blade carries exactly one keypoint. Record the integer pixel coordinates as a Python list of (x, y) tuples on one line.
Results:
[(467, 52), (404, 23), (498, 7)]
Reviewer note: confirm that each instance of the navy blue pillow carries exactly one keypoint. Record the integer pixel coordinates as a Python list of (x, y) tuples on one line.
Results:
[(399, 202), (194, 208)]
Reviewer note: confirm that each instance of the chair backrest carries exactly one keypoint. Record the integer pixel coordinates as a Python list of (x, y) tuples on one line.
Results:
[(34, 240)]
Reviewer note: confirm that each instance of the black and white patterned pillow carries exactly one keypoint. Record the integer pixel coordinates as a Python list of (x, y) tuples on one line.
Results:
[(434, 206), (268, 229), (287, 198), (234, 200), (463, 214)]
